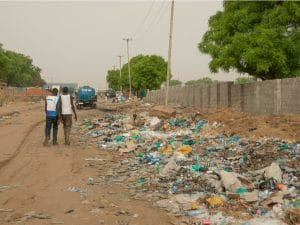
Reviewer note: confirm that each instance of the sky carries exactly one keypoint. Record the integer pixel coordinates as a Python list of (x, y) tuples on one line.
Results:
[(79, 41)]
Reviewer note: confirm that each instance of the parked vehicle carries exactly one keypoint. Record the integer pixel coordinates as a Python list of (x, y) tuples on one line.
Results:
[(86, 96), (111, 94)]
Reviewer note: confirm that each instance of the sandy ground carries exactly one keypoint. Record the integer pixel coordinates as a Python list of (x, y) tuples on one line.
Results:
[(34, 180)]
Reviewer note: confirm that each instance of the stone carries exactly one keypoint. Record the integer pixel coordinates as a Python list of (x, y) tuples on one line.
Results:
[(273, 171), (230, 181), (169, 168)]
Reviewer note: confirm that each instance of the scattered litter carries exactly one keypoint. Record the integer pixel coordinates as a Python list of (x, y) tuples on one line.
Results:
[(95, 159), (7, 210), (34, 215), (69, 211), (182, 163), (215, 201), (91, 181)]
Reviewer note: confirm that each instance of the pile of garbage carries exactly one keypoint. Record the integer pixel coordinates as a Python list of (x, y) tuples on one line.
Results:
[(211, 179)]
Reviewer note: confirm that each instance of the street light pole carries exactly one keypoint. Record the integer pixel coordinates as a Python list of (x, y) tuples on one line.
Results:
[(129, 72), (169, 53), (120, 57)]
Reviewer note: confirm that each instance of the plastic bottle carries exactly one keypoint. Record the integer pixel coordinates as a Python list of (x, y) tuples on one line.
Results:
[(260, 212), (174, 189), (293, 191), (263, 194), (194, 212), (206, 222)]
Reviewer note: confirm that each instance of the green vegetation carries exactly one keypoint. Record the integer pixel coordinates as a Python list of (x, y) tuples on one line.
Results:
[(205, 80), (17, 69), (244, 80), (260, 38), (175, 82), (147, 72), (113, 79)]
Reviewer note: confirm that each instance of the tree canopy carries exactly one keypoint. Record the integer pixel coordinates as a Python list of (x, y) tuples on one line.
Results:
[(205, 80), (17, 69), (147, 72), (244, 80), (175, 82), (113, 79), (260, 38)]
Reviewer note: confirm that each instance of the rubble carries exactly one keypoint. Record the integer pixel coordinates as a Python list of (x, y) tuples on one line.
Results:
[(189, 171), (250, 196), (162, 111), (230, 181), (170, 167), (264, 221)]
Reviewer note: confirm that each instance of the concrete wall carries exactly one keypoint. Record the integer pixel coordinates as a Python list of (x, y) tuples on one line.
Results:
[(264, 97), (8, 94)]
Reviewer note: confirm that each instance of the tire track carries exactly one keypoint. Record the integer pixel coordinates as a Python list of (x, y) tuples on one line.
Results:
[(20, 146)]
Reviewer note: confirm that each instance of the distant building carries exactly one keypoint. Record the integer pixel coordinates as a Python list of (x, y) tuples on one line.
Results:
[(72, 86)]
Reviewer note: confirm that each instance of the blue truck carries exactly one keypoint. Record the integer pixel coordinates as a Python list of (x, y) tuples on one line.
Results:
[(86, 96)]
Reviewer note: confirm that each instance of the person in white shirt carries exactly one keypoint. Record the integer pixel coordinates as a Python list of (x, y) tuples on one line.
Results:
[(66, 110), (51, 109)]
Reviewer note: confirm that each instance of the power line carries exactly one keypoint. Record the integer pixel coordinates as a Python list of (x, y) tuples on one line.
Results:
[(163, 13), (156, 19), (144, 20)]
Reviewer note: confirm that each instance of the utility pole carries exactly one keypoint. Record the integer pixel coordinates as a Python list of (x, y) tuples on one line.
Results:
[(120, 57), (129, 72), (169, 53)]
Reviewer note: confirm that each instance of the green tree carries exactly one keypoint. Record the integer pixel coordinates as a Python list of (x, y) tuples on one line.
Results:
[(147, 72), (175, 82), (113, 79), (17, 69), (244, 80), (205, 80), (260, 38)]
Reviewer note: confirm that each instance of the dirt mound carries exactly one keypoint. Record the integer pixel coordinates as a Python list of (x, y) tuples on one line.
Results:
[(252, 126), (282, 126)]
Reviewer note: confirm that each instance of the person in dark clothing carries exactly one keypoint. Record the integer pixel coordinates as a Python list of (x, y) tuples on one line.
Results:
[(51, 109), (66, 107)]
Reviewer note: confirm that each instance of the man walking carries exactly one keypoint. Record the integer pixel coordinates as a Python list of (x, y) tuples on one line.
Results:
[(51, 109), (66, 106)]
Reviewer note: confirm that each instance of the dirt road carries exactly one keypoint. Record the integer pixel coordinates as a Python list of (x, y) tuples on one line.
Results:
[(49, 185)]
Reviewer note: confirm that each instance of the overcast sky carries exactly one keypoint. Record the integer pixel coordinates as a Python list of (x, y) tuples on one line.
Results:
[(80, 41)]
